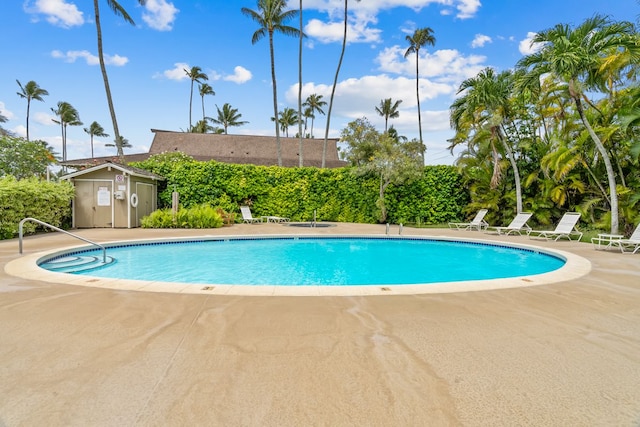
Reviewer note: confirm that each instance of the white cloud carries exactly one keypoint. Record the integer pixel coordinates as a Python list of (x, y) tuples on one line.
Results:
[(445, 65), (57, 12), (357, 31), (526, 47), (43, 118), (240, 75), (467, 8), (358, 97), (480, 40), (176, 73), (20, 130), (3, 111), (160, 15), (91, 59), (363, 17)]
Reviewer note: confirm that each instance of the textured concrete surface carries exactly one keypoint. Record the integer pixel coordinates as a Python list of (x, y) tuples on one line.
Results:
[(562, 354)]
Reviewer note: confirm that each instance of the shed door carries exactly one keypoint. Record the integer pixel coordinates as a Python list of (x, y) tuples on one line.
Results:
[(94, 204), (145, 201)]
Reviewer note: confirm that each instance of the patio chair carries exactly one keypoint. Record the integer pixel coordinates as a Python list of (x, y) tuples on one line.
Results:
[(477, 223), (518, 225), (247, 218), (565, 228), (617, 241)]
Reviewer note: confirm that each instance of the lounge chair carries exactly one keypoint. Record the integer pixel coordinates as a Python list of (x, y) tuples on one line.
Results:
[(477, 223), (518, 225), (247, 218), (565, 228), (617, 241)]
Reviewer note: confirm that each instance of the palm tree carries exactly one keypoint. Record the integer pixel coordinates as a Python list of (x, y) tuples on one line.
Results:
[(67, 115), (288, 117), (335, 82), (420, 38), (300, 135), (205, 89), (95, 129), (119, 11), (576, 56), (120, 143), (314, 103), (271, 18), (31, 91), (483, 111), (388, 110), (228, 116), (196, 75)]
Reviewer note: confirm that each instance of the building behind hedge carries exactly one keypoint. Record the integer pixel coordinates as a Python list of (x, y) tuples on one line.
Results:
[(236, 149)]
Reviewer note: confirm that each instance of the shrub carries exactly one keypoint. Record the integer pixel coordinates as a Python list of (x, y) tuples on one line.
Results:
[(46, 201), (201, 216)]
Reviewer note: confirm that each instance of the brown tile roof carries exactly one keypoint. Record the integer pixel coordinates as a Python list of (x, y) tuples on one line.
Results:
[(238, 149)]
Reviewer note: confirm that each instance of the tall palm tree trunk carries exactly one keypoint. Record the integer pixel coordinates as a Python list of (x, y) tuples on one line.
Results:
[(333, 87), (418, 99), (516, 174), (28, 108), (190, 106), (611, 177), (300, 147), (112, 111), (275, 97)]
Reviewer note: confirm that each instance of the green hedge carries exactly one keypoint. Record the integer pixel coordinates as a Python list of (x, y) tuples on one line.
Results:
[(335, 194), (47, 201)]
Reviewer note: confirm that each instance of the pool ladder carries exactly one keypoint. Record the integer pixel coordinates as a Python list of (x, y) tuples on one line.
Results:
[(20, 233), (400, 227)]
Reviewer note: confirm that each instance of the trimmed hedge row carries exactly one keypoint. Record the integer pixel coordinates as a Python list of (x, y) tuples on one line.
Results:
[(334, 194), (47, 201)]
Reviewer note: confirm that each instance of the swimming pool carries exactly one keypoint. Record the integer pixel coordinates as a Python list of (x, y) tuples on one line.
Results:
[(312, 261)]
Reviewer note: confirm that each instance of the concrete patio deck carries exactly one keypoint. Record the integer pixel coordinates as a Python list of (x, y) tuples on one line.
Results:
[(559, 354)]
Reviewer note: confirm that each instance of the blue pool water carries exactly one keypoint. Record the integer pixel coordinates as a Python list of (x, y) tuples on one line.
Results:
[(304, 261)]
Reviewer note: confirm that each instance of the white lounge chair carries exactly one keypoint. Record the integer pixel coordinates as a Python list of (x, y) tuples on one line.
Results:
[(565, 228), (617, 241), (518, 225), (477, 223), (247, 217)]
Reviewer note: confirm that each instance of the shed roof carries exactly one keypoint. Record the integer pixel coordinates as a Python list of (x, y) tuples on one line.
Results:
[(122, 168)]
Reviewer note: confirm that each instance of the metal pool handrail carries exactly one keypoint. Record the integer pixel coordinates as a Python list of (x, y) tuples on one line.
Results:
[(21, 224)]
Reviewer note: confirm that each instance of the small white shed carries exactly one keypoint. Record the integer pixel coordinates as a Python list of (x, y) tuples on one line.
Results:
[(111, 195)]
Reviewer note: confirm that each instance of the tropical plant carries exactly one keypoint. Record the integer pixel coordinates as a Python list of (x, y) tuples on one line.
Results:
[(120, 143), (576, 57), (95, 129), (388, 109), (271, 18), (481, 114), (195, 74), (205, 89), (420, 38), (119, 11), (30, 91), (314, 103), (335, 81), (288, 117), (67, 116), (21, 158), (228, 116), (391, 160)]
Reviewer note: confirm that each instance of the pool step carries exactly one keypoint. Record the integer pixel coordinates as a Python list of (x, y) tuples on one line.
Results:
[(75, 263)]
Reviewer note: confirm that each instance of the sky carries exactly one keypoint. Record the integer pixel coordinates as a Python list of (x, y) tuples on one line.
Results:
[(54, 43)]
